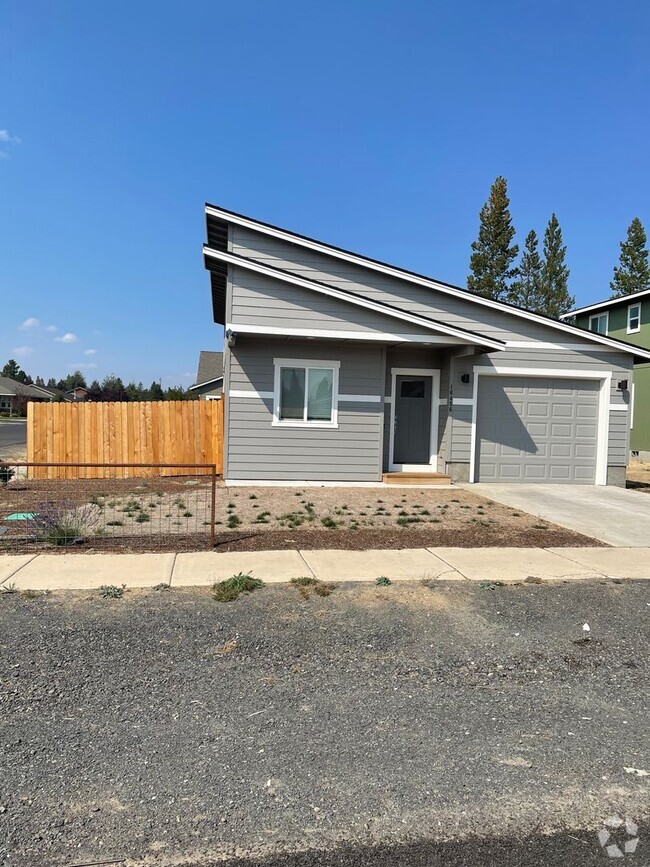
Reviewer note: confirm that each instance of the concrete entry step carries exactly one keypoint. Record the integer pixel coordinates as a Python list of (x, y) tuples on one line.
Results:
[(416, 479)]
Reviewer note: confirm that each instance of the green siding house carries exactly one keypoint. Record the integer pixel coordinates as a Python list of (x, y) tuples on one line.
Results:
[(626, 318)]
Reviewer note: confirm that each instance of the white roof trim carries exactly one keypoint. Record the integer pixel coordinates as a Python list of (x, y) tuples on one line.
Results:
[(206, 382), (333, 334), (252, 265), (407, 276), (627, 299)]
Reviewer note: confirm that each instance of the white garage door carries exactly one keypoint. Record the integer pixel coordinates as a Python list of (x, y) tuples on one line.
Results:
[(533, 429)]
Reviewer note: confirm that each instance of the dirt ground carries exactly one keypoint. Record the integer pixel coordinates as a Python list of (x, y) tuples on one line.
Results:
[(638, 476), (174, 514)]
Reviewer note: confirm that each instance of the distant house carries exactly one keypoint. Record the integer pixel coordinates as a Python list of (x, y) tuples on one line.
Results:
[(14, 395), (626, 318), (76, 395), (209, 376)]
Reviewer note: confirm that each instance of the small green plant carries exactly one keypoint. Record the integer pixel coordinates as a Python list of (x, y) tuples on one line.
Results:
[(187, 514), (162, 586), (383, 581), (112, 591), (97, 501), (30, 594), (232, 588), (142, 518), (490, 585), (180, 505), (262, 518), (132, 506), (324, 589), (231, 505), (233, 521), (8, 587), (540, 527), (515, 514), (292, 519), (329, 522), (114, 523), (304, 581), (252, 497)]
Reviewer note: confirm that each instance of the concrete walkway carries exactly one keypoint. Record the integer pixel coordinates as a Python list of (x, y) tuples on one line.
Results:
[(617, 516), (88, 571)]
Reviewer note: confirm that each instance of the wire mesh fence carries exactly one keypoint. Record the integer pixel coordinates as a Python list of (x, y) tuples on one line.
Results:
[(136, 506)]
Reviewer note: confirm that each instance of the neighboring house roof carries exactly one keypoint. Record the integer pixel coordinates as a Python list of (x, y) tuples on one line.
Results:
[(12, 388), (210, 368), (611, 302), (399, 273)]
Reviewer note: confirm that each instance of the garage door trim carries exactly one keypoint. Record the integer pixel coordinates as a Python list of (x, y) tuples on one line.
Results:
[(605, 378)]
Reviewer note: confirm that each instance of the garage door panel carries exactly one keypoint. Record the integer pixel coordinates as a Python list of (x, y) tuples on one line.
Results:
[(537, 429)]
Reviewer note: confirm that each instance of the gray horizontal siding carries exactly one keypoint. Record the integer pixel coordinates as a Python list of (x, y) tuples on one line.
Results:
[(461, 434), (617, 452), (450, 309), (264, 301), (257, 450)]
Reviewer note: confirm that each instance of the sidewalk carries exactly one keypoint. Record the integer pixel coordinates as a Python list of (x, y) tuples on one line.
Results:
[(88, 571)]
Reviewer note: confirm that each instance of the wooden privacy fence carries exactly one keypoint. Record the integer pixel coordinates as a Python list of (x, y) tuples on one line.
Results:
[(138, 432)]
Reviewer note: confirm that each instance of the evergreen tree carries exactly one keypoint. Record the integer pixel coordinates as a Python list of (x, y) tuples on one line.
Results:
[(493, 251), (113, 388), (51, 383), (633, 272), (12, 370), (94, 390), (555, 274), (526, 290), (155, 391), (39, 381)]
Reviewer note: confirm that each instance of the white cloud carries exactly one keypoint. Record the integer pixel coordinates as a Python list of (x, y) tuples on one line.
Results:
[(22, 350), (51, 328), (30, 323), (7, 138), (67, 338), (90, 351)]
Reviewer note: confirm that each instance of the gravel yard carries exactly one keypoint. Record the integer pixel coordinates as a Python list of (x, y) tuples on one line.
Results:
[(401, 725), (638, 476)]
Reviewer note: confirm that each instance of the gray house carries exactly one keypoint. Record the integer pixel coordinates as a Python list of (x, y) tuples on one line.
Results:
[(338, 367), (209, 376)]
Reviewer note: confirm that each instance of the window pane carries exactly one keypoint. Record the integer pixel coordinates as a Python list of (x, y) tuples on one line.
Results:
[(412, 388), (634, 317), (292, 393), (319, 395)]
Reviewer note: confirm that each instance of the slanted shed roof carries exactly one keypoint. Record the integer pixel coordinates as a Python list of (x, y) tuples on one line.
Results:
[(219, 216), (210, 367)]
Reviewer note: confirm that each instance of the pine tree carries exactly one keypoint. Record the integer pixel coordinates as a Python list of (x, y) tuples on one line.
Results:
[(633, 272), (555, 274), (156, 392), (526, 290), (494, 253)]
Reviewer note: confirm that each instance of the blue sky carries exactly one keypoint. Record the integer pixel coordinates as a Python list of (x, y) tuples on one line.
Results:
[(374, 125)]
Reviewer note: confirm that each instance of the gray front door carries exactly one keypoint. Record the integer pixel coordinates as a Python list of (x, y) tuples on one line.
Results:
[(537, 429), (412, 440)]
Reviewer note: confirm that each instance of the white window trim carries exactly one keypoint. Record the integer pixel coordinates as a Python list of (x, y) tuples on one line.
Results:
[(605, 378), (637, 305), (324, 364), (599, 316), (432, 466), (632, 392)]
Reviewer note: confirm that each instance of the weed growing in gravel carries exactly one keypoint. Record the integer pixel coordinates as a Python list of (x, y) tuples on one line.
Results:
[(227, 647), (324, 589), (8, 587), (232, 588), (233, 521), (252, 497), (187, 514), (162, 586), (329, 522), (515, 515), (540, 527), (383, 581), (142, 518), (30, 594), (112, 591), (262, 518), (303, 581), (292, 519), (490, 585)]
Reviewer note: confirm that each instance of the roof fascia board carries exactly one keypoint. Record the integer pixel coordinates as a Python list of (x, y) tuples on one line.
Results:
[(357, 300), (623, 299), (207, 382), (408, 276)]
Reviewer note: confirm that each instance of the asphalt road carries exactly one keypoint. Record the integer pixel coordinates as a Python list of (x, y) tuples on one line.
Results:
[(407, 725), (13, 436)]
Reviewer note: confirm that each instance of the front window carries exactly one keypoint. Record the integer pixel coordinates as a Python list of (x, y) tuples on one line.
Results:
[(306, 393), (633, 318), (598, 324)]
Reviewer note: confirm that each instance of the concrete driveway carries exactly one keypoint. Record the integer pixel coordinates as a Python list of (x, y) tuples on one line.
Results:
[(616, 516)]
